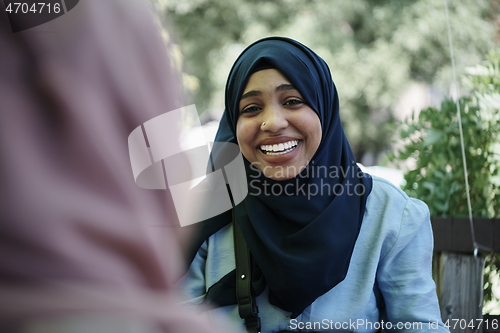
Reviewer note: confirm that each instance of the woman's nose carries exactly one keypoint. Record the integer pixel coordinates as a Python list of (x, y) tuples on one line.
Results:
[(274, 119)]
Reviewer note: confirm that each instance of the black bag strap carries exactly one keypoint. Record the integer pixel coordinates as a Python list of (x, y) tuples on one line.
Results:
[(247, 306)]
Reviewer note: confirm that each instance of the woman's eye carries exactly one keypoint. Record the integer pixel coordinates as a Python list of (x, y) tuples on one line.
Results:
[(293, 101), (250, 109)]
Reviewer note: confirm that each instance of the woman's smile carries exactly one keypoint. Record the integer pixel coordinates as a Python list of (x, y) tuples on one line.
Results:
[(276, 130), (279, 148), (278, 152)]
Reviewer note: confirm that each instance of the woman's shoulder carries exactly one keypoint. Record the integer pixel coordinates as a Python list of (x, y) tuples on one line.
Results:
[(386, 193), (392, 217), (391, 208), (382, 186)]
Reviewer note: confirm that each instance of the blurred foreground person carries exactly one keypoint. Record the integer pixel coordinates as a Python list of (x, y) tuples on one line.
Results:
[(77, 236)]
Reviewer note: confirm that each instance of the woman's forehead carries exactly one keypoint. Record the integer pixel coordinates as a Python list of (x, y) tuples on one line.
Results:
[(266, 78)]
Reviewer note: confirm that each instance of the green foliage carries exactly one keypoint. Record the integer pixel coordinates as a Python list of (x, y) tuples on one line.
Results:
[(204, 27), (375, 48), (432, 141)]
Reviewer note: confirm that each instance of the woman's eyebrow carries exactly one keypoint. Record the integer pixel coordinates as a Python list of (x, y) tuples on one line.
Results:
[(281, 87), (285, 86), (251, 93)]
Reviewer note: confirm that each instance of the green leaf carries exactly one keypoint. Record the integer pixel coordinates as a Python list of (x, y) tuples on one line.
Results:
[(432, 136), (495, 180)]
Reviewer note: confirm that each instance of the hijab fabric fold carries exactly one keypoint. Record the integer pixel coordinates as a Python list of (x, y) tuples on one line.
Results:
[(302, 240)]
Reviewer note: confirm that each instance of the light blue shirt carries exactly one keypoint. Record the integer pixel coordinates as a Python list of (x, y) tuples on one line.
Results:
[(388, 285)]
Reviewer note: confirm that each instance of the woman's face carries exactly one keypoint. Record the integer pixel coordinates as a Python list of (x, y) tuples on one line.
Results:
[(276, 130)]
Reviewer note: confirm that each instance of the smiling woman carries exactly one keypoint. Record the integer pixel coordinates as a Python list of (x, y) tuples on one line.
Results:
[(326, 247)]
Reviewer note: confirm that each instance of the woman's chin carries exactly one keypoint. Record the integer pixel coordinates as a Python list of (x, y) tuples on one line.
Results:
[(280, 172), (281, 166)]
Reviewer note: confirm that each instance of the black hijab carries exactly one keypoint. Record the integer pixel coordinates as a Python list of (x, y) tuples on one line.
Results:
[(301, 243)]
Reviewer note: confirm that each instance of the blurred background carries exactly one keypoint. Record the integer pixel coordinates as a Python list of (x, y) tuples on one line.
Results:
[(387, 57), (390, 60)]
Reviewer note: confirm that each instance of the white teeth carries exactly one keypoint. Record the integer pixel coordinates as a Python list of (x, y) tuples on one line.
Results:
[(279, 149)]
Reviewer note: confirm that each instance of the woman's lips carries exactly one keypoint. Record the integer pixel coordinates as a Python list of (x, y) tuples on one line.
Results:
[(279, 148), (282, 155)]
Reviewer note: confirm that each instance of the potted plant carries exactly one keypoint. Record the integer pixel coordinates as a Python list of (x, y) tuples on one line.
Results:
[(432, 150)]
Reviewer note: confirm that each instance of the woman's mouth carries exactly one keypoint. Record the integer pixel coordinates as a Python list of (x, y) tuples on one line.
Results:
[(279, 149)]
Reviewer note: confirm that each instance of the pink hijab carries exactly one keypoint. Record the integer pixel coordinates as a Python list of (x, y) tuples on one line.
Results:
[(77, 235)]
